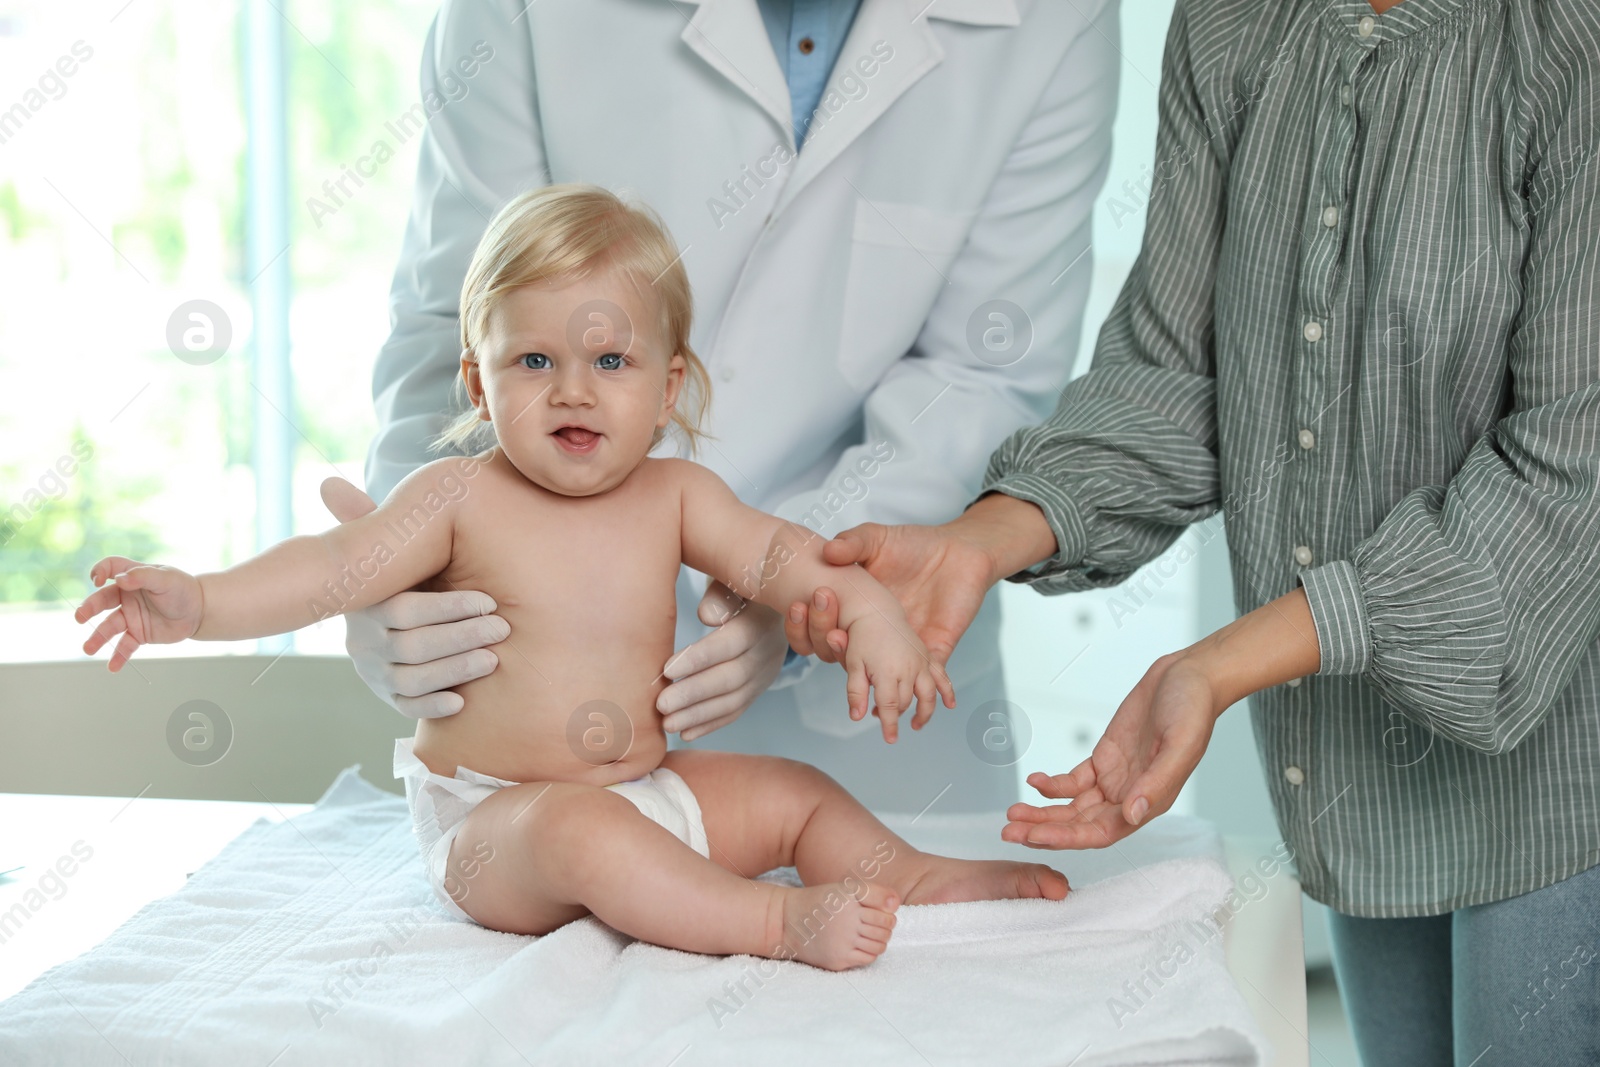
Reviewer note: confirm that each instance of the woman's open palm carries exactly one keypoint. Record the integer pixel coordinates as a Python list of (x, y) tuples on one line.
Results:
[(1151, 746)]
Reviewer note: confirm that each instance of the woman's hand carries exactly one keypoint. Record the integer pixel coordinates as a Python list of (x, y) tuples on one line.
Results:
[(1156, 738), (715, 679), (940, 574), (1154, 742), (412, 648), (149, 605)]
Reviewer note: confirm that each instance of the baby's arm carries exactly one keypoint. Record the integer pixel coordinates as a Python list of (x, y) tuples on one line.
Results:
[(775, 562), (294, 583)]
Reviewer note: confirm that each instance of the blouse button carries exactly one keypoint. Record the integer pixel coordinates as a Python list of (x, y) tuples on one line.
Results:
[(1365, 26), (1346, 94), (1302, 555), (1294, 683), (1308, 440), (1294, 775), (1330, 217), (807, 45), (1313, 331)]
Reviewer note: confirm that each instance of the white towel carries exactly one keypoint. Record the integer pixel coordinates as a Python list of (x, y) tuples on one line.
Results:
[(317, 942)]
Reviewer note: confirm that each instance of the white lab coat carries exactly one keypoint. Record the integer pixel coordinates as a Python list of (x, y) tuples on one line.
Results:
[(838, 288)]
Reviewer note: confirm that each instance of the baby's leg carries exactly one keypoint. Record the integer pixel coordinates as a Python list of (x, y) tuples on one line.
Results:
[(763, 812), (531, 858)]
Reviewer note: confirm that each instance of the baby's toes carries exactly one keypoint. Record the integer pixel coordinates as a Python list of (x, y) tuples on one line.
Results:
[(880, 899), (864, 953), (869, 941), (876, 925), (871, 950), (1051, 883)]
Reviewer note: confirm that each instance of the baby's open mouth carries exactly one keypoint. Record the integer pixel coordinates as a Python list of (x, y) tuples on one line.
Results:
[(576, 438)]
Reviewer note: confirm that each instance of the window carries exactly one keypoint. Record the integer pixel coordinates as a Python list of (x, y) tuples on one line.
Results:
[(128, 196)]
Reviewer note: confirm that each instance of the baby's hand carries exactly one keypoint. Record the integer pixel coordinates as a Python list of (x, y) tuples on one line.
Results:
[(150, 605), (888, 656)]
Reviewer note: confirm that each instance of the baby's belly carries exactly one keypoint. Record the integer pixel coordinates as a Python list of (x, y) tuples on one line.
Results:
[(556, 717)]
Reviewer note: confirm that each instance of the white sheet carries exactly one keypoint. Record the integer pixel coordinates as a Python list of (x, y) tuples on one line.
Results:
[(317, 941)]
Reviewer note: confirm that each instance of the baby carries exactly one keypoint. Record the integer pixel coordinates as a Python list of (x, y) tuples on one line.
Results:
[(551, 795)]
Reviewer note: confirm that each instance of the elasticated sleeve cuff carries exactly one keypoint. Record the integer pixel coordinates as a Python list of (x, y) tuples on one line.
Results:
[(1344, 636), (1066, 522)]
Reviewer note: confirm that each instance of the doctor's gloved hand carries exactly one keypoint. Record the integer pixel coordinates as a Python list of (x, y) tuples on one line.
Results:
[(412, 647), (715, 679), (1152, 745)]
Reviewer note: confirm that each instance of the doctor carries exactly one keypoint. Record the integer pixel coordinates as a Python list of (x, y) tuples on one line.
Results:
[(884, 209)]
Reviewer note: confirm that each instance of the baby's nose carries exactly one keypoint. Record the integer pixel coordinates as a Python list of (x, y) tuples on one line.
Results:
[(574, 385)]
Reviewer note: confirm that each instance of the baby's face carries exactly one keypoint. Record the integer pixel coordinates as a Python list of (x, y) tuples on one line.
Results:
[(575, 381)]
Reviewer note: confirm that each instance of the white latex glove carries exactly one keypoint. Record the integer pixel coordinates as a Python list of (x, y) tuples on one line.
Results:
[(717, 677), (413, 646)]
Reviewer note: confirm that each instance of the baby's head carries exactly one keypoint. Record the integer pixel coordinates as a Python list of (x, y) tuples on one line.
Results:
[(575, 349)]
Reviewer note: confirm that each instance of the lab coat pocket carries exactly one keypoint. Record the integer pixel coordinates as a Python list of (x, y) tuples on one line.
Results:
[(899, 256)]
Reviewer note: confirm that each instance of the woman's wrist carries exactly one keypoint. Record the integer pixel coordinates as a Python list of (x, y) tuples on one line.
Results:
[(1012, 533), (1273, 644)]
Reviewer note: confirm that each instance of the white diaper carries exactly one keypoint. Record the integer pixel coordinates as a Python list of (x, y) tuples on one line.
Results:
[(440, 805)]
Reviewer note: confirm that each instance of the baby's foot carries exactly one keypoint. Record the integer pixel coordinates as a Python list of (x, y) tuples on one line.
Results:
[(947, 881), (826, 926)]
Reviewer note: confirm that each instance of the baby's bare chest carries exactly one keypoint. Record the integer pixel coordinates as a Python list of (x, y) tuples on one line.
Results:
[(583, 569)]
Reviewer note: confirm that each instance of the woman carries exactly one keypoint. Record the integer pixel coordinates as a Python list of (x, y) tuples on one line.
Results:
[(1363, 325)]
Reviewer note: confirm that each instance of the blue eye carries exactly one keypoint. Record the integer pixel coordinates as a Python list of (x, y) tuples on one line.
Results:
[(611, 361), (531, 361)]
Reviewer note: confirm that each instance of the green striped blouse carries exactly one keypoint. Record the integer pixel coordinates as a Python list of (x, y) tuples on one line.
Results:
[(1364, 325)]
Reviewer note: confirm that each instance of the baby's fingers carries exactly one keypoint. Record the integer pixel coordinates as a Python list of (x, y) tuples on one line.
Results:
[(124, 652), (103, 570), (888, 711), (96, 602), (109, 627), (926, 700), (144, 576), (855, 689)]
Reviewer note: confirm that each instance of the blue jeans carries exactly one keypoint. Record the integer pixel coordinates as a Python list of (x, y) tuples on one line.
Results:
[(1515, 981)]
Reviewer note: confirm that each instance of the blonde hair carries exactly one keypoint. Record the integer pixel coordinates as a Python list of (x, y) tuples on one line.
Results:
[(566, 232)]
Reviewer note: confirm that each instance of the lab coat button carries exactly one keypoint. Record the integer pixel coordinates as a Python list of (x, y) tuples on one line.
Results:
[(1313, 331), (1295, 775), (1302, 555)]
